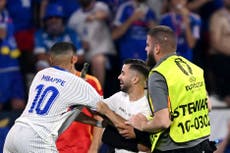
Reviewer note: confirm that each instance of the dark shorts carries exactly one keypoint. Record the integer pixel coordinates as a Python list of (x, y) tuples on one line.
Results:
[(203, 147)]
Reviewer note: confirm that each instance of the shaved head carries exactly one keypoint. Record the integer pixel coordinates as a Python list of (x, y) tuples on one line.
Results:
[(165, 36), (62, 53)]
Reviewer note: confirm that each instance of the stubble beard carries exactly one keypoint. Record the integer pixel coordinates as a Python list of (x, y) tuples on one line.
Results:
[(150, 61), (124, 89)]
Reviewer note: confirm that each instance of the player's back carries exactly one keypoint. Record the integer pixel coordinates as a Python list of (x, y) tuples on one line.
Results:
[(51, 94)]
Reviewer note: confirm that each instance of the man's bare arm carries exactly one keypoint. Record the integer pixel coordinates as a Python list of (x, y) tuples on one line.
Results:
[(117, 120), (160, 121), (83, 118)]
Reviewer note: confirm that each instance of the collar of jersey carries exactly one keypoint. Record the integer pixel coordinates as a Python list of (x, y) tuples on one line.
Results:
[(59, 68)]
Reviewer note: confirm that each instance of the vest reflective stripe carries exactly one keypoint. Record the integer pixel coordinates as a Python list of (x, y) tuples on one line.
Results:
[(189, 107), (154, 138)]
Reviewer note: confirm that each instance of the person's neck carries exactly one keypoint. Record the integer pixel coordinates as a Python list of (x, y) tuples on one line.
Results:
[(136, 93), (66, 67), (164, 55)]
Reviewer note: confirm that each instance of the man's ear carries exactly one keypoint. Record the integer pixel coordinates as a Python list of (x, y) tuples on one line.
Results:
[(157, 49), (50, 60), (135, 79), (74, 59)]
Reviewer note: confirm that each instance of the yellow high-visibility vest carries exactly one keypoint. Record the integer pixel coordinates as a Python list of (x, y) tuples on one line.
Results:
[(188, 99)]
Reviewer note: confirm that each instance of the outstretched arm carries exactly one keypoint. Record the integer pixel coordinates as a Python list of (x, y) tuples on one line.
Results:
[(83, 118), (117, 120), (160, 121), (97, 135)]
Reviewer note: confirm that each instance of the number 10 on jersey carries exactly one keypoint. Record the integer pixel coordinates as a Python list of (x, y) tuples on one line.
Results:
[(43, 99)]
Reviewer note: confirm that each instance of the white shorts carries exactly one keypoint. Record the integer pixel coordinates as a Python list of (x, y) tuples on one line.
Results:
[(23, 139)]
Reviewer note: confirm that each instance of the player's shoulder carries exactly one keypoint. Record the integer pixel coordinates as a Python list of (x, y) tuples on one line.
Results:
[(117, 98), (91, 78), (121, 94), (44, 71), (88, 77), (59, 72), (94, 82), (144, 98)]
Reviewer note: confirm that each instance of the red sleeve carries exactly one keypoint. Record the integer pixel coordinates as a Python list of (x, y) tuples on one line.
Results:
[(77, 137), (94, 83)]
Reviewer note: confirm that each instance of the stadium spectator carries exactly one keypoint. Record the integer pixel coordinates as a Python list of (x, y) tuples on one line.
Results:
[(90, 22), (12, 92), (186, 26), (54, 30), (132, 21), (68, 6), (220, 51), (113, 5), (24, 15)]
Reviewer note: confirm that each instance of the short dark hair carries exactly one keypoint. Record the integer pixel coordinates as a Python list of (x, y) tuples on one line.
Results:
[(138, 65), (62, 48), (165, 36)]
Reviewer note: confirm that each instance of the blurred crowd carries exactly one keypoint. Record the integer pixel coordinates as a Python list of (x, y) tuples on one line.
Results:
[(106, 32)]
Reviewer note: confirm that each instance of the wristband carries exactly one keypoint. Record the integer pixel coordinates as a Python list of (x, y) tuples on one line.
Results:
[(99, 124)]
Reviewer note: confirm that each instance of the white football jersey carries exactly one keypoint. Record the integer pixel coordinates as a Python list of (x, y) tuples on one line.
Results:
[(52, 93), (121, 105)]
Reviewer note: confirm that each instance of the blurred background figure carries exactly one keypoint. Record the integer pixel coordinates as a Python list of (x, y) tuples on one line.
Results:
[(132, 22), (54, 30), (90, 22), (24, 14), (7, 119), (156, 6), (12, 91), (68, 6), (113, 5), (186, 25), (220, 52), (205, 8)]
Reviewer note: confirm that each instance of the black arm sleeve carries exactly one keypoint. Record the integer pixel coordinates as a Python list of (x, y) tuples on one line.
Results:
[(143, 138), (112, 137)]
